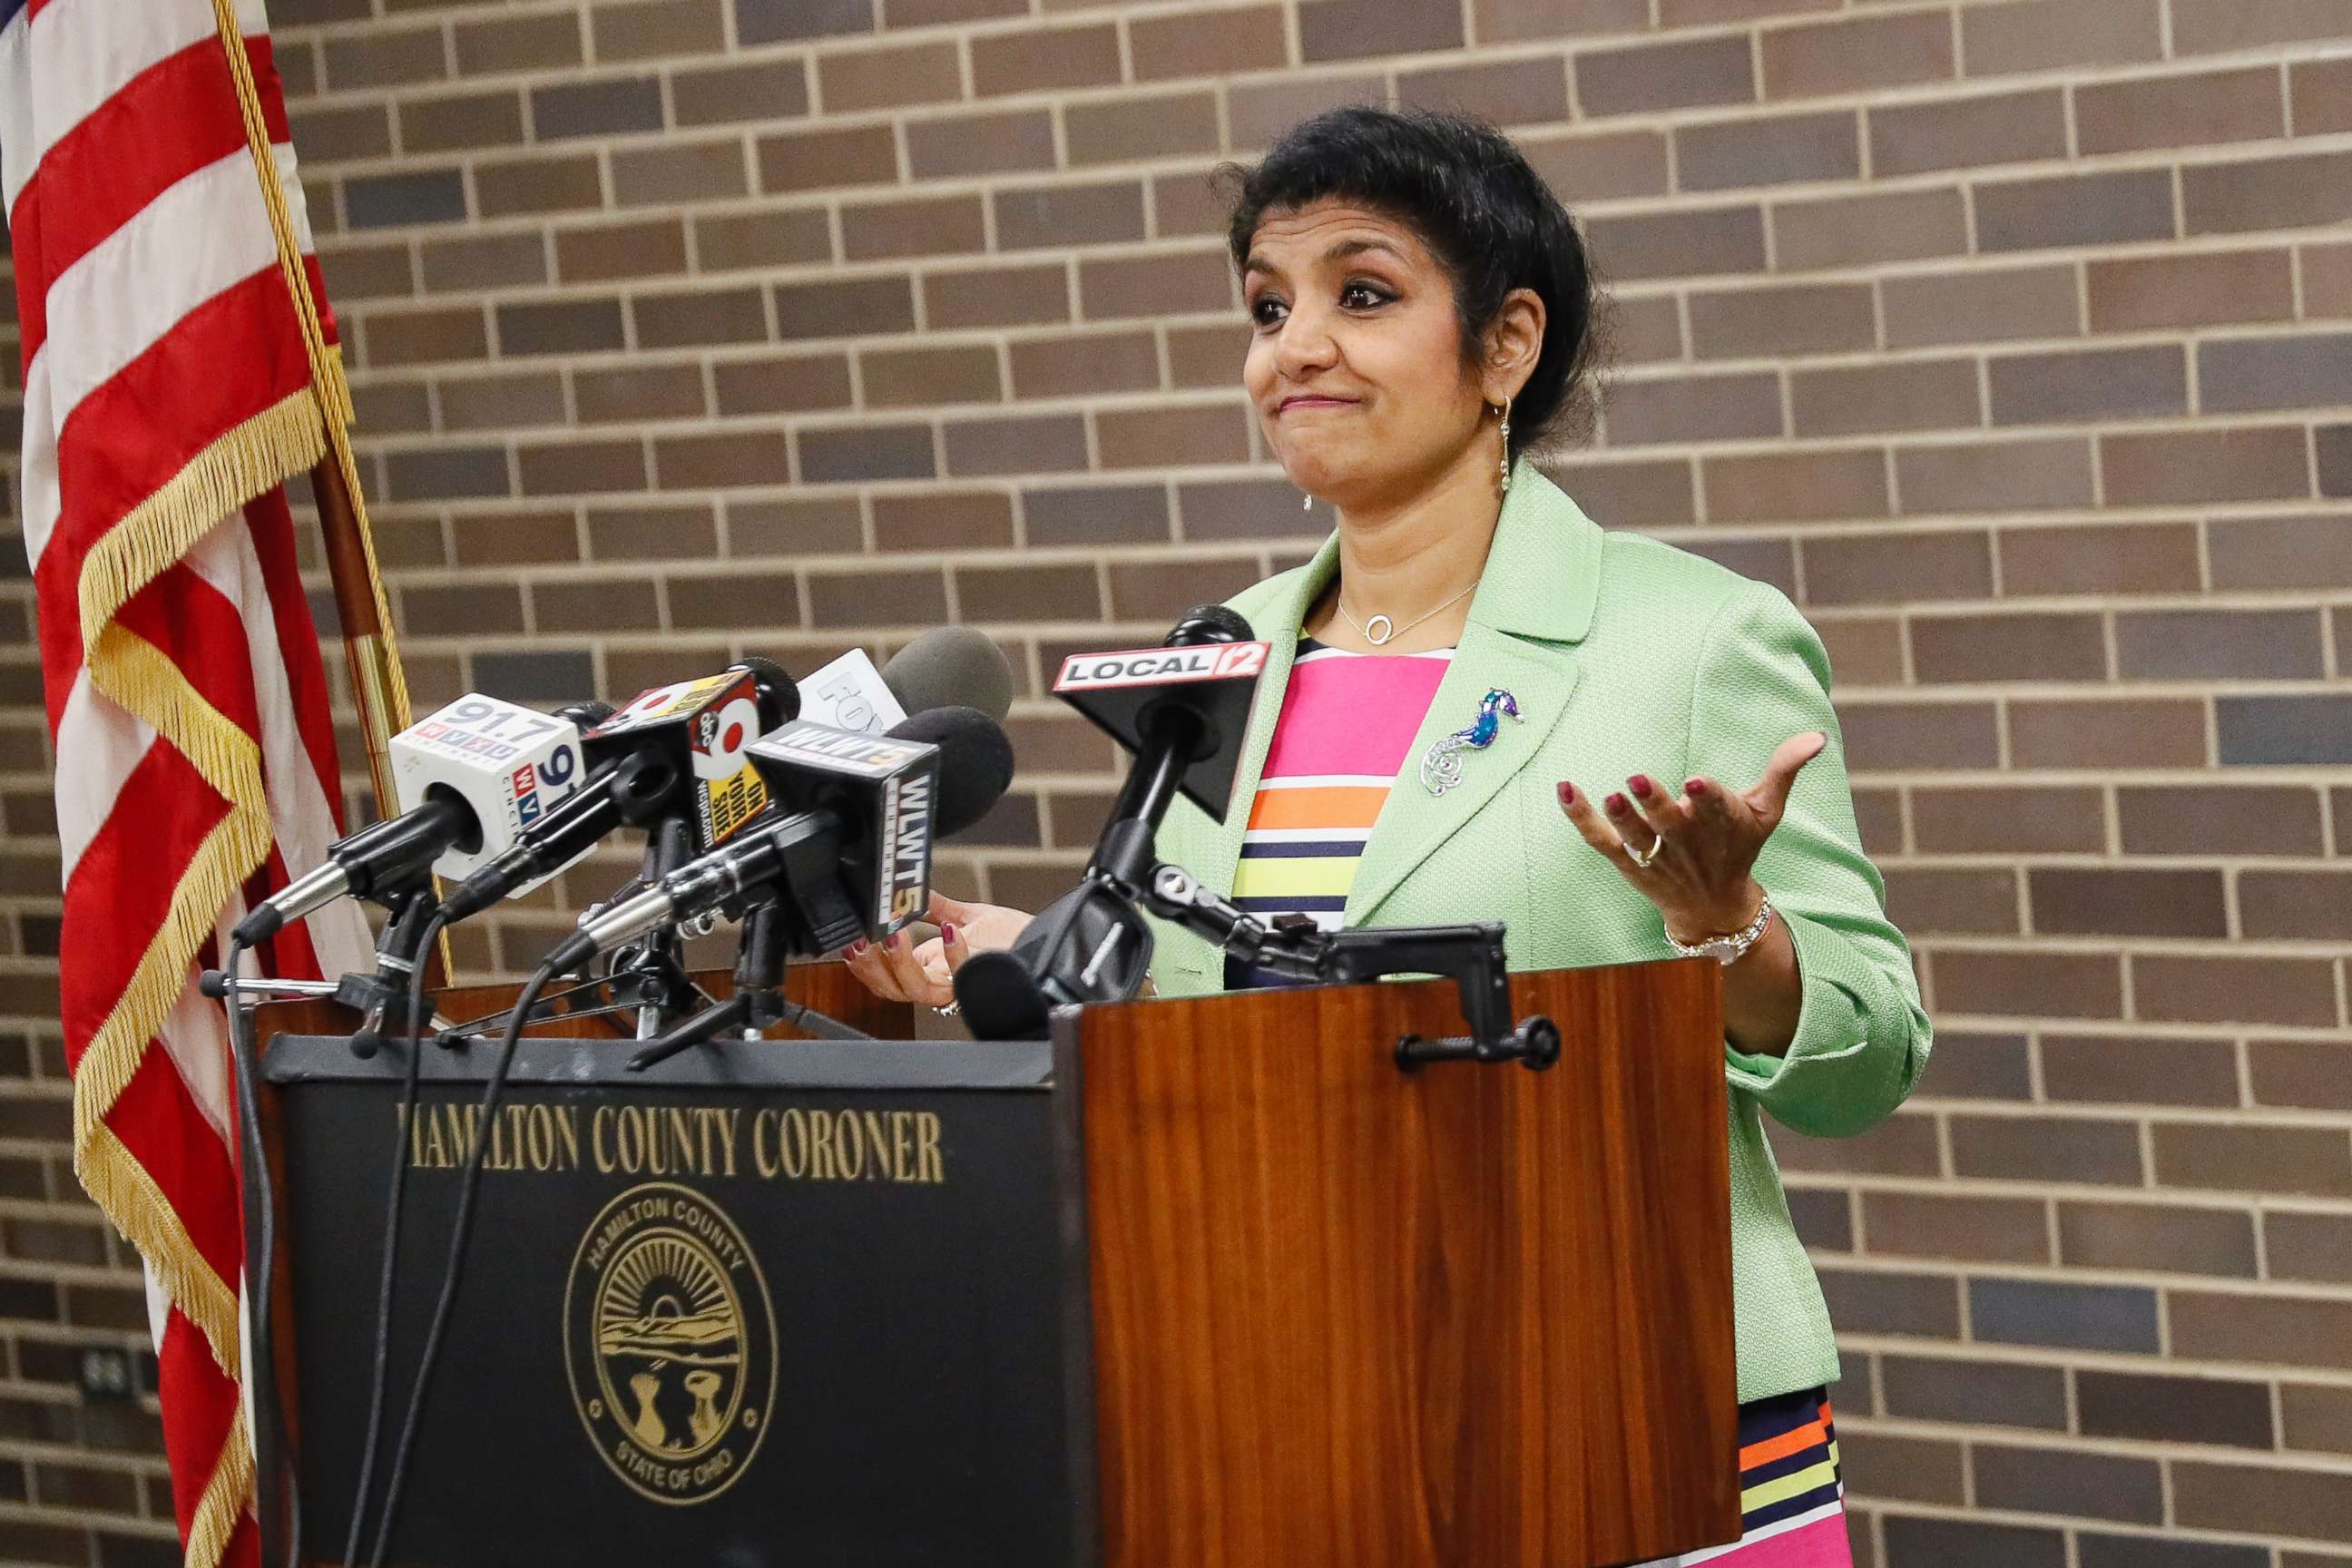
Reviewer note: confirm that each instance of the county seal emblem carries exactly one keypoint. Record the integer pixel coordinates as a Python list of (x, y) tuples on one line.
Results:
[(670, 1341)]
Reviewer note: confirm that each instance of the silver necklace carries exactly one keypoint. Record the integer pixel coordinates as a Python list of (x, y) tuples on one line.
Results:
[(1389, 630)]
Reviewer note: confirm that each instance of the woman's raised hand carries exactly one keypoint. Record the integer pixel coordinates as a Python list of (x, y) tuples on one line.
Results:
[(1691, 855), (900, 971)]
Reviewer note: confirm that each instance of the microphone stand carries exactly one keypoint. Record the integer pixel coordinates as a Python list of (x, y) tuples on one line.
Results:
[(381, 999), (1090, 944), (397, 953), (758, 1000), (656, 963)]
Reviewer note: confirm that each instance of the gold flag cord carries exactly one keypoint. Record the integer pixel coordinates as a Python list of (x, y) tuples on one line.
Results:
[(378, 685)]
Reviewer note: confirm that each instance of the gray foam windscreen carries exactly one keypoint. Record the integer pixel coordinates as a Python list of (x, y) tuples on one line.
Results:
[(951, 667)]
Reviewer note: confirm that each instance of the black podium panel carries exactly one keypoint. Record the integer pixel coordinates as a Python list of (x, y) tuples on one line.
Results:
[(788, 1303)]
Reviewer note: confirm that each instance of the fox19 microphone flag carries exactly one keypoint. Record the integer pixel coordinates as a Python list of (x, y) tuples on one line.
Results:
[(178, 368)]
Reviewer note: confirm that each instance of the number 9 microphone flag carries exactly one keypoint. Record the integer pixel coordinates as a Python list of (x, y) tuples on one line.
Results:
[(179, 365)]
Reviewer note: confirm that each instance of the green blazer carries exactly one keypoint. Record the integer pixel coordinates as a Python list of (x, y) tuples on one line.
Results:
[(1626, 655)]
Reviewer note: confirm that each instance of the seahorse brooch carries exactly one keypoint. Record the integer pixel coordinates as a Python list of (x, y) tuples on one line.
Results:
[(1440, 765)]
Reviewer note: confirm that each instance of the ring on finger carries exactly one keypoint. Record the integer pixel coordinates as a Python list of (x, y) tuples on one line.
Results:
[(1641, 857), (951, 1010)]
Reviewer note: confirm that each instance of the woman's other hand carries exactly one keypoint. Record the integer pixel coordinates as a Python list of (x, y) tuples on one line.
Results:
[(900, 971), (1700, 849)]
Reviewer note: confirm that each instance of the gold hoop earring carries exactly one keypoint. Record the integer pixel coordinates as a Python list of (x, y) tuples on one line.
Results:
[(1504, 463)]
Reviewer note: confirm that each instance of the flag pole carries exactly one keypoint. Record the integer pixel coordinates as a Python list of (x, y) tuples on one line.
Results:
[(379, 689), (377, 684)]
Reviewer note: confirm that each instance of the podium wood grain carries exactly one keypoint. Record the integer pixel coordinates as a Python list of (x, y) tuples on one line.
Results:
[(1473, 1315)]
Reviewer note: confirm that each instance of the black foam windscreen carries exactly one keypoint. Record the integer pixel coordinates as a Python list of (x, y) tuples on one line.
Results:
[(1088, 945), (1210, 623), (951, 667), (780, 694), (975, 762), (587, 713)]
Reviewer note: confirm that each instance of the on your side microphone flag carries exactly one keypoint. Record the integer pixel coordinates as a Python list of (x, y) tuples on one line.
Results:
[(178, 367), (715, 719)]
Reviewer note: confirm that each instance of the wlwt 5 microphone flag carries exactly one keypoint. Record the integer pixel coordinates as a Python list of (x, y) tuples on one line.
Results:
[(179, 364)]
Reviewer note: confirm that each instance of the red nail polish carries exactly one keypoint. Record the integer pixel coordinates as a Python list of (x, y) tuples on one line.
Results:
[(857, 947), (1567, 793), (1618, 804), (1641, 785), (1695, 788), (947, 934)]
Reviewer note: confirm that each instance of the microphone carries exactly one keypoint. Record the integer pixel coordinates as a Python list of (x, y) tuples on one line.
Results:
[(671, 750), (951, 667), (846, 845), (947, 667), (587, 713), (471, 780), (1182, 709), (849, 694), (703, 726)]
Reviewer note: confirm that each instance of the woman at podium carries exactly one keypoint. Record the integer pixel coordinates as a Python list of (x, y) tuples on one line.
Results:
[(1483, 706)]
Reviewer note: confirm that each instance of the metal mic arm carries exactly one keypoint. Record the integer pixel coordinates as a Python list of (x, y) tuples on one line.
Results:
[(1174, 895), (1471, 955), (655, 966), (254, 990), (383, 997), (380, 998)]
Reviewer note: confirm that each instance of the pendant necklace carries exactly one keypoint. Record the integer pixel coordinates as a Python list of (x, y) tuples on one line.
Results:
[(1388, 629)]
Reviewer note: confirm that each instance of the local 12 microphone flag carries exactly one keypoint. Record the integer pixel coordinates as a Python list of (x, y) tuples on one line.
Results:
[(178, 367)]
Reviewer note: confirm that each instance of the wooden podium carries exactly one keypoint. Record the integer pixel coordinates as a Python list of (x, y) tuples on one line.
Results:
[(1209, 1283)]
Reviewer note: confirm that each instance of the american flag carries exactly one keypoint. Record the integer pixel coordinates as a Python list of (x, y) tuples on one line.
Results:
[(169, 392)]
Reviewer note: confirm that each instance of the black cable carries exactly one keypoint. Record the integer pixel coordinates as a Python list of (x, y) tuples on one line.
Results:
[(380, 1373), (461, 1229), (244, 1059)]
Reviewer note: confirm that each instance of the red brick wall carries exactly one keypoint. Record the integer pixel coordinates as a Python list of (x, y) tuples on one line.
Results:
[(2013, 339)]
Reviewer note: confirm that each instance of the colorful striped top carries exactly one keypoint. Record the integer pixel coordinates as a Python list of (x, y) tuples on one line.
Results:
[(1346, 724)]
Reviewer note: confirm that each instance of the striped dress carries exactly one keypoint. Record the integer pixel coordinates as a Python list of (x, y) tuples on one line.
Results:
[(1791, 1496), (1347, 722), (1343, 737)]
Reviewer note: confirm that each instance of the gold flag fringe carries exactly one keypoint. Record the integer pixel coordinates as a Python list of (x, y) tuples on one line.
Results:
[(143, 680), (224, 1503), (283, 439), (121, 1187)]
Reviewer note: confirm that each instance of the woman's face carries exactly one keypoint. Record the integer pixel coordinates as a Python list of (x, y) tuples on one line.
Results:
[(1355, 363)]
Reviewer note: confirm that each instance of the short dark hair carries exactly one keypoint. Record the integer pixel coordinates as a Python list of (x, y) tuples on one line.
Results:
[(1467, 191)]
